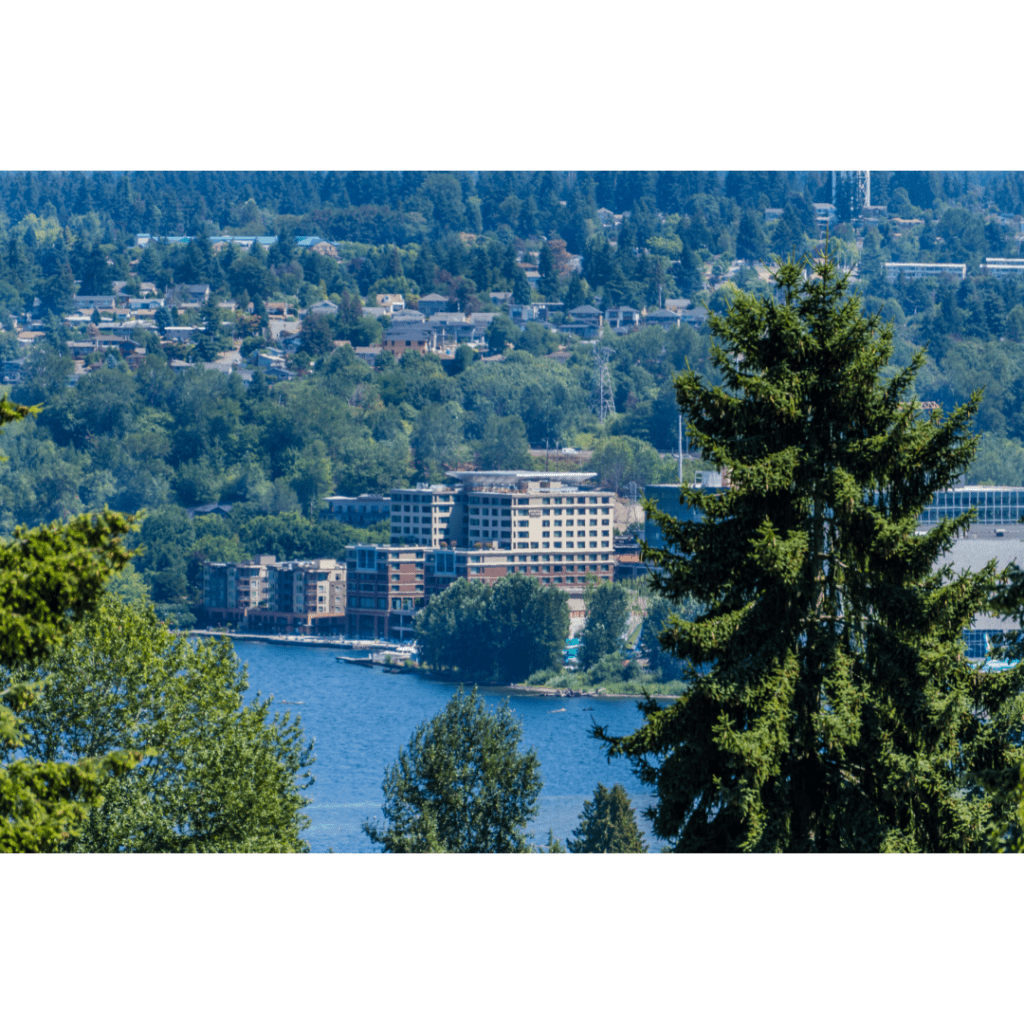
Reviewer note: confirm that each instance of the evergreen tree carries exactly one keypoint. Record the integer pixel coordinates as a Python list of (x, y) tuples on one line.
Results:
[(751, 242), (521, 292), (577, 291), (607, 824), (838, 711), (687, 271)]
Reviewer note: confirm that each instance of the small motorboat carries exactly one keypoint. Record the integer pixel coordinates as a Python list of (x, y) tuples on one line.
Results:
[(556, 711)]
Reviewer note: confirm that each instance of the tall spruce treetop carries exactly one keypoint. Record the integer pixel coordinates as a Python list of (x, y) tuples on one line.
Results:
[(833, 707)]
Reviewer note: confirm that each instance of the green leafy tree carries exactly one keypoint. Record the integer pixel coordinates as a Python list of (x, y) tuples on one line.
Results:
[(49, 578), (504, 444), (317, 335), (501, 334), (511, 629), (167, 536), (461, 785), (659, 618), (217, 775), (529, 625), (607, 824), (607, 615), (835, 709)]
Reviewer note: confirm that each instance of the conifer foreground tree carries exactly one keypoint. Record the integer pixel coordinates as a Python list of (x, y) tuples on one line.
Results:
[(833, 707), (607, 824)]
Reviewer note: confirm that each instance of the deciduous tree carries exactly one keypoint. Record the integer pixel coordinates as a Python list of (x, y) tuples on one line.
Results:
[(217, 775), (462, 785)]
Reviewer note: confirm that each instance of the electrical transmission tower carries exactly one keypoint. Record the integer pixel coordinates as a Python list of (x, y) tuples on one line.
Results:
[(605, 392)]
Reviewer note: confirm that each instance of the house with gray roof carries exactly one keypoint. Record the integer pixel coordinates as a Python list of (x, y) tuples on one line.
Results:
[(432, 303)]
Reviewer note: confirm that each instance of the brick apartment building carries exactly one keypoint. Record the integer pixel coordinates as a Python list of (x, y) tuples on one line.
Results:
[(264, 594), (489, 525)]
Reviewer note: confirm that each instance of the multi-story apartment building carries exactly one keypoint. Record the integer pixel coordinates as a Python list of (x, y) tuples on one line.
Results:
[(388, 584), (996, 506), (912, 271), (365, 510), (508, 510), (300, 596), (425, 515), (998, 266), (386, 587)]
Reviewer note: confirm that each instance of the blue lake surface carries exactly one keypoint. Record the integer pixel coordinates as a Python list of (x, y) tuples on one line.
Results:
[(360, 718)]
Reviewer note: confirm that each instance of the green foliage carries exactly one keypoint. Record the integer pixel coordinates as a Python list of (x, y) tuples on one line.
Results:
[(461, 785), (504, 444), (502, 333), (555, 845), (510, 630), (216, 775), (620, 460), (657, 620), (607, 824), (607, 615), (49, 578), (835, 709)]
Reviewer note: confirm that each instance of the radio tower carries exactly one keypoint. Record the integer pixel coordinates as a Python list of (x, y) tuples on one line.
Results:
[(605, 393)]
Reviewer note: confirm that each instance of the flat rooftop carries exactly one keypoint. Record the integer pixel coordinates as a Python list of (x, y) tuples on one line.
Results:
[(509, 478)]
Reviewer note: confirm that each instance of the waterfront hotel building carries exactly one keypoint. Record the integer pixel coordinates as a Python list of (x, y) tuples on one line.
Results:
[(489, 525), (506, 510)]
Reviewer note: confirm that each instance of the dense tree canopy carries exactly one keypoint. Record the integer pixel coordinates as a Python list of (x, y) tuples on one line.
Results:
[(217, 776), (49, 578), (510, 630), (156, 436)]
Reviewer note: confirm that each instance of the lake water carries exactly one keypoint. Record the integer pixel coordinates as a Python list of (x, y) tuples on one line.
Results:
[(360, 718)]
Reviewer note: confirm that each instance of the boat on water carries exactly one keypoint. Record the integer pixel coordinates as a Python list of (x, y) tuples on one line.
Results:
[(556, 711)]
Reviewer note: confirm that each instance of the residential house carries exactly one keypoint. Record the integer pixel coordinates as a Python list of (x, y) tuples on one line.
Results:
[(405, 317), (585, 321), (318, 245), (324, 308), (662, 318), (399, 340), (432, 303), (523, 313), (185, 294), (91, 302), (390, 303), (180, 334), (622, 316)]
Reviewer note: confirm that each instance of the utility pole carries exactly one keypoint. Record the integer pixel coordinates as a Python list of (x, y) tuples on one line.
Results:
[(680, 450), (605, 394), (545, 454)]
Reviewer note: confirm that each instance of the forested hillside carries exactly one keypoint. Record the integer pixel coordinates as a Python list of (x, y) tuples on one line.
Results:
[(163, 437)]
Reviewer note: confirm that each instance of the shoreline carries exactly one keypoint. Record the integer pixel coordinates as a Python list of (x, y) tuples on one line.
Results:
[(343, 644)]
